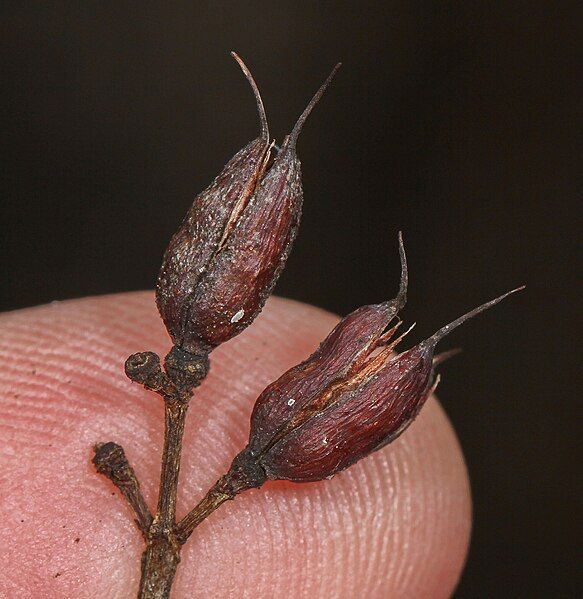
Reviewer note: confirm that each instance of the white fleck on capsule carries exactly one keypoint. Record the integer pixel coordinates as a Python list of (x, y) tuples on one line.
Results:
[(237, 317)]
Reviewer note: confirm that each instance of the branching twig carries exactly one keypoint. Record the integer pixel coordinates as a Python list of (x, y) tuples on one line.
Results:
[(110, 460)]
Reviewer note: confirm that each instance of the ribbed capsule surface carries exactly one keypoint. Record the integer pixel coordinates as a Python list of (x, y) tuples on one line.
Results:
[(246, 268), (361, 418), (282, 405), (225, 260), (368, 404), (193, 247)]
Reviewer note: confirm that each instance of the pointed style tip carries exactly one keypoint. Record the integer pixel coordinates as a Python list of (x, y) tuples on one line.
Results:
[(401, 299), (258, 99), (441, 333), (293, 136)]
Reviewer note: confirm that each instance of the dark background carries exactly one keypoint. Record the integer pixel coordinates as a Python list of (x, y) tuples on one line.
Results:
[(455, 122)]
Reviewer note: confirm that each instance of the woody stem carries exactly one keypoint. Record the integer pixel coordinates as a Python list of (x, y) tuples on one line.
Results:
[(182, 372), (110, 460), (175, 417), (162, 554), (215, 497), (244, 474)]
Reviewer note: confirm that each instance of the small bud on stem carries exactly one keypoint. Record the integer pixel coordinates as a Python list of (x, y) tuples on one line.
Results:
[(110, 460)]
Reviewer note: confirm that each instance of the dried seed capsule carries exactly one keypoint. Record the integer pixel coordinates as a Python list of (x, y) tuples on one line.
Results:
[(210, 219), (222, 264), (367, 406), (249, 260), (340, 356)]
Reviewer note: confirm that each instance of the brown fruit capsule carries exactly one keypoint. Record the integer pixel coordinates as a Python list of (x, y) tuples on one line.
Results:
[(366, 407), (248, 263), (210, 219), (247, 259), (289, 400)]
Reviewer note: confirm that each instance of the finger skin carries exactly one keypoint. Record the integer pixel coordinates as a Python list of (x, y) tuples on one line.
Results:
[(397, 524)]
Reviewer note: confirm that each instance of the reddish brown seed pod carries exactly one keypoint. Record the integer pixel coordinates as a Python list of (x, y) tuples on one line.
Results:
[(249, 260), (207, 223), (369, 404), (282, 404)]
